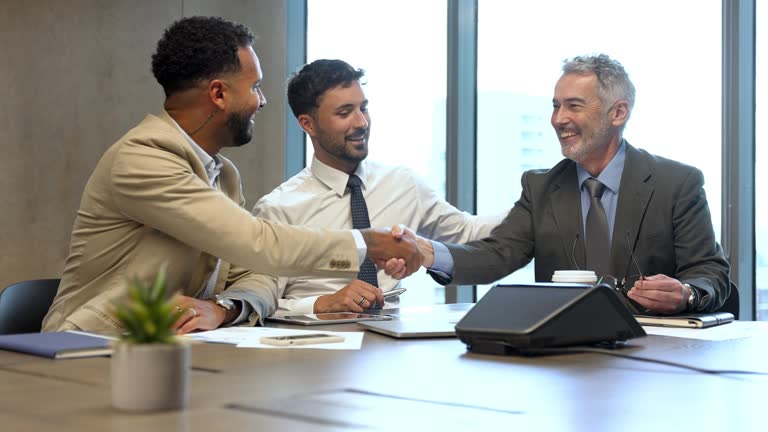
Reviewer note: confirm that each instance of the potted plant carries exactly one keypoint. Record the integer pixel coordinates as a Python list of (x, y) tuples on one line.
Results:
[(150, 367)]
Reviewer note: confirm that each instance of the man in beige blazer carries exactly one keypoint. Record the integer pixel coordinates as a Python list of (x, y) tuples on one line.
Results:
[(163, 194)]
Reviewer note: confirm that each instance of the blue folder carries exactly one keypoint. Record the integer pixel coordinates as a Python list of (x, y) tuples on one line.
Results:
[(57, 345)]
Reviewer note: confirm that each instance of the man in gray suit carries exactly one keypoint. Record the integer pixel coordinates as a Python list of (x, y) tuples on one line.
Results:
[(645, 205)]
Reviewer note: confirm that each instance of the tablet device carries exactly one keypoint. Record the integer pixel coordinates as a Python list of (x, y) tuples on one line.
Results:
[(328, 318), (686, 321)]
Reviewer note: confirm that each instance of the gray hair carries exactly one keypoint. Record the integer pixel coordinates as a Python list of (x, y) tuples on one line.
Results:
[(614, 83)]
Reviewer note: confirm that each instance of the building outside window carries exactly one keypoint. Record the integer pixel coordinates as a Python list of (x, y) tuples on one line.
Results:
[(677, 75), (404, 58)]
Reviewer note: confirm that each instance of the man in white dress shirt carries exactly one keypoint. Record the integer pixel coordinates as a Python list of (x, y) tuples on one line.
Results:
[(328, 101)]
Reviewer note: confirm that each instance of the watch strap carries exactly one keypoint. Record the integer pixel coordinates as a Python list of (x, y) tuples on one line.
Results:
[(230, 313), (233, 313)]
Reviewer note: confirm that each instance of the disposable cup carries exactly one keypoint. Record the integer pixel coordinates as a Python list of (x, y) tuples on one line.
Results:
[(574, 276)]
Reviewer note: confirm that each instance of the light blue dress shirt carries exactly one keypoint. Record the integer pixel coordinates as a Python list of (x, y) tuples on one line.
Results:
[(611, 178)]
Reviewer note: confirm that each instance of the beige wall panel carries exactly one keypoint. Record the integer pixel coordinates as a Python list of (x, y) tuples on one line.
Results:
[(261, 161), (76, 76)]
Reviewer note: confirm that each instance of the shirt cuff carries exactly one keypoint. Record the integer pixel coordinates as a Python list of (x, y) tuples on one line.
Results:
[(245, 312), (443, 259), (305, 305), (362, 248)]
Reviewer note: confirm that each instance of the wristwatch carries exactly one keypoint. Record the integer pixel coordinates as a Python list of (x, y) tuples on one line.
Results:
[(692, 299), (224, 302), (229, 308)]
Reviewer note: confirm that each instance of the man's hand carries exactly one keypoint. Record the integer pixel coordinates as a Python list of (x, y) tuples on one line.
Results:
[(427, 251), (355, 297), (660, 293), (198, 315), (395, 267), (384, 245)]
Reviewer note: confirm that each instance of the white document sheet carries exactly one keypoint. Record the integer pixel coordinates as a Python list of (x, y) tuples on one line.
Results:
[(250, 337), (734, 330)]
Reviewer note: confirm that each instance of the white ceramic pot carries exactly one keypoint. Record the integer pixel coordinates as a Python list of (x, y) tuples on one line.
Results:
[(150, 377)]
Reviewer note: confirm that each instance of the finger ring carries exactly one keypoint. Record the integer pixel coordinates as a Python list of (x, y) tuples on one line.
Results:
[(362, 300), (194, 312), (179, 309)]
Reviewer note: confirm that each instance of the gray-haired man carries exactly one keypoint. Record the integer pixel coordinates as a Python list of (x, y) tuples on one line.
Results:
[(606, 201)]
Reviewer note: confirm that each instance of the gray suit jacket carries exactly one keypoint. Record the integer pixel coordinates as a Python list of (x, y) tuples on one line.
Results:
[(149, 202), (662, 212)]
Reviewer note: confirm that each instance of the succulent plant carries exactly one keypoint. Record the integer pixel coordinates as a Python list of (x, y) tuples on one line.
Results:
[(148, 313)]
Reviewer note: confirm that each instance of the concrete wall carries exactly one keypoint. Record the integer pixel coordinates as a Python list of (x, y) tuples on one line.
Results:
[(75, 76)]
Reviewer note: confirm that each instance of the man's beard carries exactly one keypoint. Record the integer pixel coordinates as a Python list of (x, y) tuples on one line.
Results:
[(339, 149), (239, 125), (588, 144)]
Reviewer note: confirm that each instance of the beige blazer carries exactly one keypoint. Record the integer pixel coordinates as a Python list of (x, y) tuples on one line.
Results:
[(149, 202)]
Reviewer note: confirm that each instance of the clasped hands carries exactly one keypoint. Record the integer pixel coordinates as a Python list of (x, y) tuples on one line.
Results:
[(397, 250)]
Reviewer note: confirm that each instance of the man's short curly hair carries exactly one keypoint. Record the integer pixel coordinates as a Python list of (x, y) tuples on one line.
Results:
[(307, 85), (198, 48)]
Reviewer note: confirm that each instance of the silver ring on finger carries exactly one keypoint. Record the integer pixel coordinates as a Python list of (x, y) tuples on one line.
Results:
[(194, 312), (362, 300)]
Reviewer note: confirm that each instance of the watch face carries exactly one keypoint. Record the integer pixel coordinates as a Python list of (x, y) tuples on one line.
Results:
[(225, 303)]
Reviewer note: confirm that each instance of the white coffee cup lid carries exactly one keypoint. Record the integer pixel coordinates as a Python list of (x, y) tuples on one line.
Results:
[(574, 276), (574, 273), (574, 280)]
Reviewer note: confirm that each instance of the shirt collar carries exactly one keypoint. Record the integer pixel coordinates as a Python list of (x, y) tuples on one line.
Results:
[(611, 175), (212, 165), (337, 180)]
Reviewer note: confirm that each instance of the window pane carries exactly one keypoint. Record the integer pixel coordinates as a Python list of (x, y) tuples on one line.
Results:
[(521, 46), (761, 161), (401, 45)]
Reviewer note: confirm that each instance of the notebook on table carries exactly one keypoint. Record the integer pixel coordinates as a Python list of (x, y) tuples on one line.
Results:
[(687, 321), (57, 345)]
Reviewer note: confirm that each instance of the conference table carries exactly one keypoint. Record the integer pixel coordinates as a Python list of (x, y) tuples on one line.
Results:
[(410, 384)]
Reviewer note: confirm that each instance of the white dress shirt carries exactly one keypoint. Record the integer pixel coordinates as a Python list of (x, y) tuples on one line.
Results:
[(317, 197)]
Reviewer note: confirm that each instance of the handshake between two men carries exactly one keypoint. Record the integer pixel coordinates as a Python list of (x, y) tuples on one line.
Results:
[(398, 251)]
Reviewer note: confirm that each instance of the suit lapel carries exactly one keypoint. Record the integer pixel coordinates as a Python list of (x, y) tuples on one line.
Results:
[(635, 192), (565, 204)]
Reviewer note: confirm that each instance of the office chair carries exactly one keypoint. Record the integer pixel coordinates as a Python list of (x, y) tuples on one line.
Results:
[(23, 305), (732, 302)]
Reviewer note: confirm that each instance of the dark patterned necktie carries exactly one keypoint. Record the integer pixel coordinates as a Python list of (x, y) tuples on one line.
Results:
[(360, 220), (598, 243)]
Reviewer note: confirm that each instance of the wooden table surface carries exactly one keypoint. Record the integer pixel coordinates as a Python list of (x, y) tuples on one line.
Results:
[(463, 391)]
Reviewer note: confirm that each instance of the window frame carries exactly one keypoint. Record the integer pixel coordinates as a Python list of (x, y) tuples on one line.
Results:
[(738, 117)]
